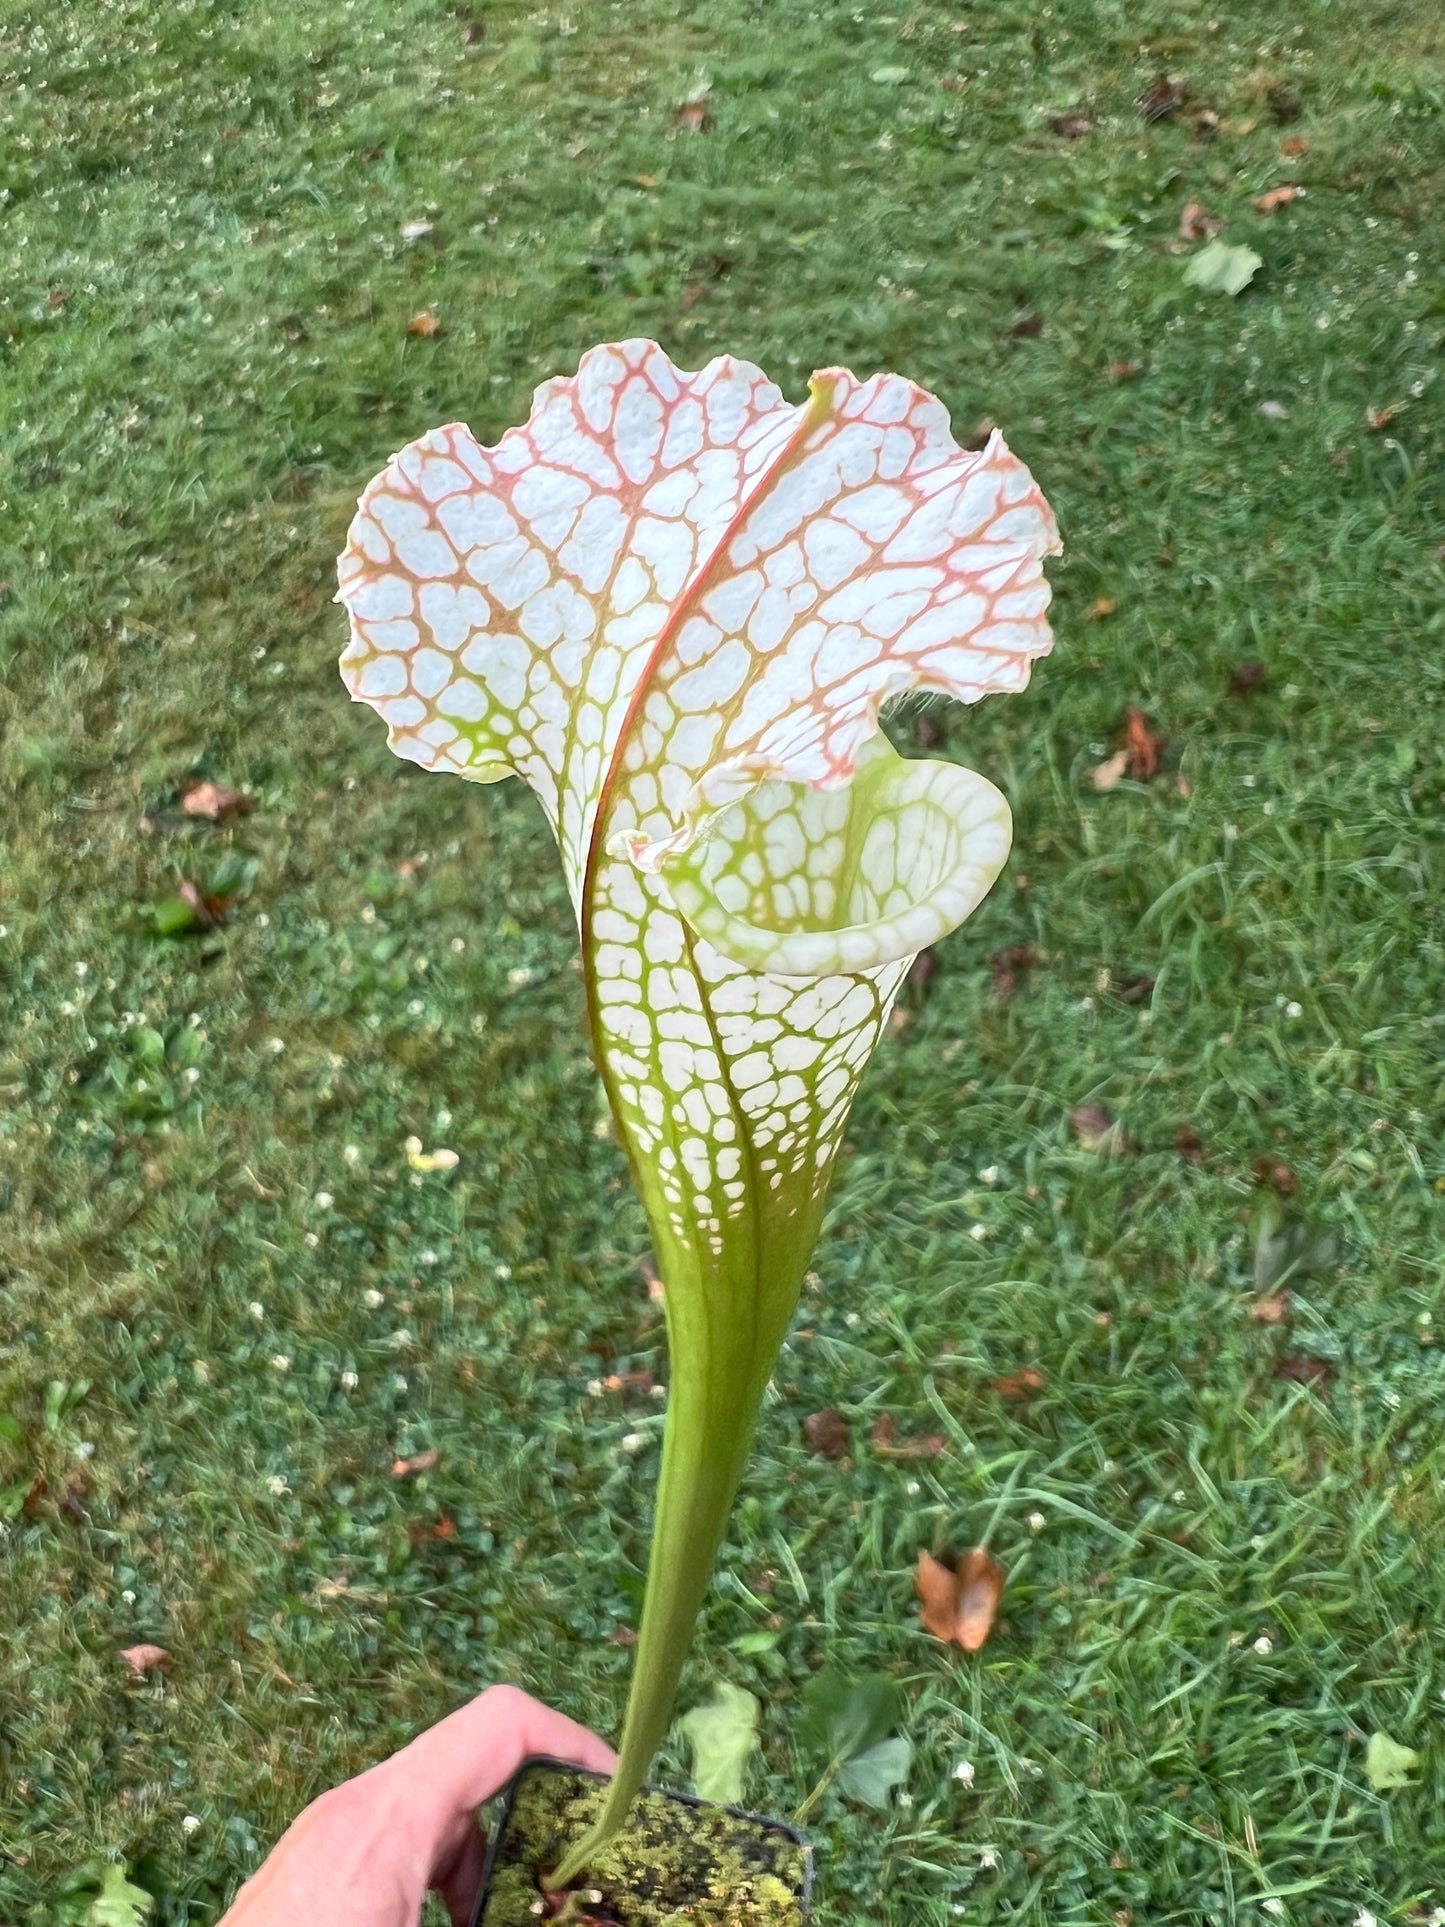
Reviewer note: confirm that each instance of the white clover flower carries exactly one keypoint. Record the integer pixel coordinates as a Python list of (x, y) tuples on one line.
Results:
[(349, 1381), (275, 1045), (352, 1153), (277, 1486), (190, 1824), (1264, 1645), (634, 1442), (280, 1362), (373, 1299), (1036, 1522), (964, 1772), (323, 1200)]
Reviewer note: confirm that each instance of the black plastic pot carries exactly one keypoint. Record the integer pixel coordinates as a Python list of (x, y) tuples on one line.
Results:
[(697, 1834)]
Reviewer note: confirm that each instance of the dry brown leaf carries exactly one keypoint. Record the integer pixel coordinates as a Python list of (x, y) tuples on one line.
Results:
[(1143, 745), (1273, 1310), (1277, 197), (145, 1659), (1095, 1128), (424, 324), (1163, 97), (1010, 964), (960, 1606), (640, 1381), (1276, 1174), (213, 802), (1189, 1144), (418, 1462), (1105, 605), (1109, 774), (1027, 328), (887, 1443), (1196, 223), (1124, 370), (1020, 1385), (827, 1432), (693, 117), (1303, 1368), (1378, 418), (1293, 145), (923, 969), (645, 180), (1072, 127)]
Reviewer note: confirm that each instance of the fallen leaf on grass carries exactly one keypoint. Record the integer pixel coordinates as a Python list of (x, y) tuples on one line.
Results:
[(692, 114), (1189, 1144), (1273, 1310), (1378, 418), (923, 969), (827, 1432), (1276, 1174), (1096, 1128), (1124, 370), (1133, 990), (1072, 127), (1109, 774), (418, 1462), (1143, 745), (424, 324), (144, 1659), (420, 1531), (1293, 145), (1221, 269), (889, 1446), (1196, 223), (722, 1737), (1105, 605), (1163, 97), (1246, 676), (639, 1381), (1277, 197), (1027, 328), (214, 803), (1012, 963), (415, 230), (1020, 1385), (1388, 1764), (1303, 1368), (960, 1605)]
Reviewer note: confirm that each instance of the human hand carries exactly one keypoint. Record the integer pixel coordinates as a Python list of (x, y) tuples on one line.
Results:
[(366, 1853)]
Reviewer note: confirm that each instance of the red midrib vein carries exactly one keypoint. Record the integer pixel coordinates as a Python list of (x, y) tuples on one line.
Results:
[(813, 412)]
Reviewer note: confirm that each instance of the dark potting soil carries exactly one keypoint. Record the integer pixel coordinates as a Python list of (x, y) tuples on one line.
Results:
[(676, 1865)]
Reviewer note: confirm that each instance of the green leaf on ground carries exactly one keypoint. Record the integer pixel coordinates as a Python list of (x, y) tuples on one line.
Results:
[(1388, 1764), (872, 1776), (723, 1736), (118, 1904), (1221, 269), (845, 1717)]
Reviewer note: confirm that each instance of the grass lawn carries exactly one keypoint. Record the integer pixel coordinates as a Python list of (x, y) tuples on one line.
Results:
[(228, 1304)]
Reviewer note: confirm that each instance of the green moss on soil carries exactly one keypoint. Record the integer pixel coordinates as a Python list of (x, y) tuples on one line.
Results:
[(675, 1866)]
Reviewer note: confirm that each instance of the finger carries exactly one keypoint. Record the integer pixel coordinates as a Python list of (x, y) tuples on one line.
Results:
[(469, 1755), (458, 1878)]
